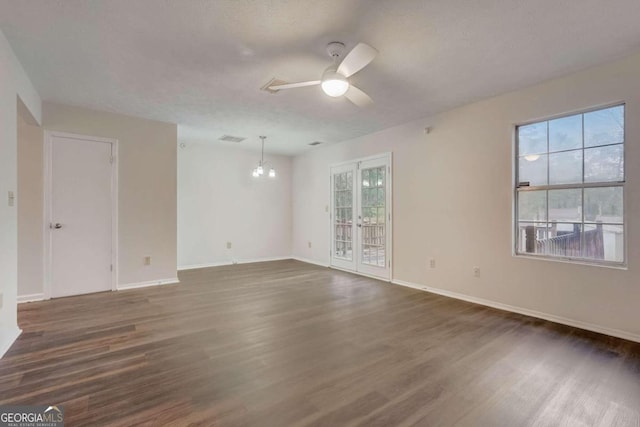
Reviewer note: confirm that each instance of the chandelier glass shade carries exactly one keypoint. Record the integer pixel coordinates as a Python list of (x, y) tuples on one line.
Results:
[(259, 170)]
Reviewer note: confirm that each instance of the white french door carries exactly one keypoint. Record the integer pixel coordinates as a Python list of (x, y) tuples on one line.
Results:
[(361, 216), (343, 216)]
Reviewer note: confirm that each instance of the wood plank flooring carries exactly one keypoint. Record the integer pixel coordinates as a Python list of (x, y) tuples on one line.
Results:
[(290, 344)]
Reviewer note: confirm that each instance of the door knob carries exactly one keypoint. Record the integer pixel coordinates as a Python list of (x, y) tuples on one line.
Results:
[(56, 226)]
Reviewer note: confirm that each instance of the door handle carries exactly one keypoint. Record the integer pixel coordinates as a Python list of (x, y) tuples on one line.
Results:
[(56, 226), (359, 225)]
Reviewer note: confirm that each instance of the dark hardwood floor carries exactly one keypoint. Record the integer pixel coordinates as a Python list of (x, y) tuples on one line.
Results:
[(287, 343)]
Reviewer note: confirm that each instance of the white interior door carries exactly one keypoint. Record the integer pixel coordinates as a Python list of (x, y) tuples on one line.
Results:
[(80, 215), (361, 216)]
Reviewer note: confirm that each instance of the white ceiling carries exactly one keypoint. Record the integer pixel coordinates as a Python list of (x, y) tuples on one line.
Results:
[(201, 63)]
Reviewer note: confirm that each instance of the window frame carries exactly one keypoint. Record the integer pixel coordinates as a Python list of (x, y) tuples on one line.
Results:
[(516, 252)]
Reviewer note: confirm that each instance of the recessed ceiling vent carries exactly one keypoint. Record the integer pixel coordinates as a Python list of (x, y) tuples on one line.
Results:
[(315, 143), (231, 138)]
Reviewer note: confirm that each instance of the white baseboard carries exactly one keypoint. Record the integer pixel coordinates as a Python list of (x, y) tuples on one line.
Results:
[(310, 261), (171, 281), (239, 261), (197, 266), (527, 312), (360, 273), (7, 338), (30, 298)]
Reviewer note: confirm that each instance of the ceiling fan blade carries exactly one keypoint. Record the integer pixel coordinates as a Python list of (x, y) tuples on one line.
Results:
[(294, 85), (358, 97), (357, 59)]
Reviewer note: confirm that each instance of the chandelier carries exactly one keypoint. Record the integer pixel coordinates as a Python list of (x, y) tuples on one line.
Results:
[(259, 171)]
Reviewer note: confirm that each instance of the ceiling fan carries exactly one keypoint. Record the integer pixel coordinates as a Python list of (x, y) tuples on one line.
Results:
[(335, 79)]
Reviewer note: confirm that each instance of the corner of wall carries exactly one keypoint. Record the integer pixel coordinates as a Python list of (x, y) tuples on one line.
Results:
[(16, 92), (7, 338)]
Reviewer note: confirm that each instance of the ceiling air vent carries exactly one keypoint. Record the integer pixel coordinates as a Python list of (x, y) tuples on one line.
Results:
[(231, 138), (315, 143)]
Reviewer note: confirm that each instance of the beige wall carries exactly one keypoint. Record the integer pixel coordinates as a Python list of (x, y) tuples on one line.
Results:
[(453, 200), (146, 186), (219, 202), (14, 84), (30, 210)]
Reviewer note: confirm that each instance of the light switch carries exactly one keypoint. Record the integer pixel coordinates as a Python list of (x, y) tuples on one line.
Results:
[(12, 198)]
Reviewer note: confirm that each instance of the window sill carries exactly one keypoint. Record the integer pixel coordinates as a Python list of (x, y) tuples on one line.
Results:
[(578, 261)]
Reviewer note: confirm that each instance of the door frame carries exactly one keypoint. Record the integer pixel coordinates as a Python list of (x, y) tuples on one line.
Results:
[(388, 157), (48, 200)]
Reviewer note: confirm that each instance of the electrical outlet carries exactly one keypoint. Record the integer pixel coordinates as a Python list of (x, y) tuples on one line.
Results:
[(432, 263), (12, 198), (228, 245), (309, 245), (147, 260), (476, 271)]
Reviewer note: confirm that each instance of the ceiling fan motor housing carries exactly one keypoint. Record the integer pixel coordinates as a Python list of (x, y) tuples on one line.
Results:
[(335, 50)]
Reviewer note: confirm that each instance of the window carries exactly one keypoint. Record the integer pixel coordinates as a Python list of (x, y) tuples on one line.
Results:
[(569, 193)]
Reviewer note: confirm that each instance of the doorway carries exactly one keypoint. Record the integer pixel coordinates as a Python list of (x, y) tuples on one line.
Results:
[(361, 216), (80, 214)]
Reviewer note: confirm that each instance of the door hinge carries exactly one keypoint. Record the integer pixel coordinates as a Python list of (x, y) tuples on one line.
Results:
[(111, 159), (111, 267)]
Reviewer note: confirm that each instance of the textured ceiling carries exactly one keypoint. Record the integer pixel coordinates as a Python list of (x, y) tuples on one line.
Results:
[(201, 63)]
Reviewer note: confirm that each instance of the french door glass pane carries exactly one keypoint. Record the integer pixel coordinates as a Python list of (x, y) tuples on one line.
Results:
[(343, 215), (373, 216)]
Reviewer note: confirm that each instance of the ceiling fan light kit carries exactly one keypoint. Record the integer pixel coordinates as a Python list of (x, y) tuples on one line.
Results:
[(333, 83), (335, 79)]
